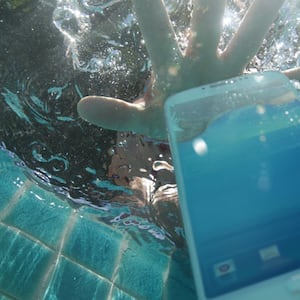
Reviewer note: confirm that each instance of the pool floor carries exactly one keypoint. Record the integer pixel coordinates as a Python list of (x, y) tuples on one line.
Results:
[(49, 250)]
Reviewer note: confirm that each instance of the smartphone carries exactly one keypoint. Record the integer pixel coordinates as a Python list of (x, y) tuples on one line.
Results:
[(236, 151)]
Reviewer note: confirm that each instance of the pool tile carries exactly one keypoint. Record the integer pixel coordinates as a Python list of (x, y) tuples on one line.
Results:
[(22, 264), (121, 295), (94, 245), (3, 297), (180, 281), (70, 281), (12, 175), (141, 268), (48, 197), (39, 219), (141, 271)]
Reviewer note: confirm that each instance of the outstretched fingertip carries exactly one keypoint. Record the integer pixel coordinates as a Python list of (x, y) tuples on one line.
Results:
[(84, 107), (111, 113)]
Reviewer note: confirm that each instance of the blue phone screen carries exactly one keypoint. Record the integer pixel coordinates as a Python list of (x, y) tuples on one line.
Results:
[(242, 189)]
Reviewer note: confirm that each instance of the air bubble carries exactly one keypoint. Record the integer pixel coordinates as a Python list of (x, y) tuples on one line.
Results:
[(200, 146), (263, 138), (260, 109)]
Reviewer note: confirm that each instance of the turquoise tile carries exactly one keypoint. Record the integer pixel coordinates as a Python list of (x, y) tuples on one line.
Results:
[(73, 282), (141, 272), (22, 264), (94, 245), (121, 295), (10, 177), (180, 282), (3, 297), (50, 198), (39, 219)]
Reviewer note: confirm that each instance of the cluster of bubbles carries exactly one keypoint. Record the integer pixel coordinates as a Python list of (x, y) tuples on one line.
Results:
[(280, 49), (103, 36)]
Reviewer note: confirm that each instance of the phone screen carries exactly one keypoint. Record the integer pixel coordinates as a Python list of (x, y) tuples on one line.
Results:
[(241, 187)]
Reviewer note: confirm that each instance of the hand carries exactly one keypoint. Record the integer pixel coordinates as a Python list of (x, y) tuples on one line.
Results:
[(174, 71)]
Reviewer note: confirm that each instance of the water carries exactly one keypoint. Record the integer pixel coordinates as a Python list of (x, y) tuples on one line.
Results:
[(56, 52), (103, 36), (280, 48)]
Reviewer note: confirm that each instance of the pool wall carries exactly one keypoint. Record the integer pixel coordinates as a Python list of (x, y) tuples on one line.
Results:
[(49, 250)]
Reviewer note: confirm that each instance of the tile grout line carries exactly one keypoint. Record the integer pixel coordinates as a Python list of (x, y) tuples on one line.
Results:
[(123, 247), (41, 243), (15, 198), (166, 276), (46, 279), (86, 268), (7, 295), (26, 235), (52, 265), (44, 245)]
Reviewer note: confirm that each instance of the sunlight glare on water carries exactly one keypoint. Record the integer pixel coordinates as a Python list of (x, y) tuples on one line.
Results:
[(280, 49), (103, 26)]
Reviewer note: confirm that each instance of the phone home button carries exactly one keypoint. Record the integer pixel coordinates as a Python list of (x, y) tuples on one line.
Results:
[(293, 283)]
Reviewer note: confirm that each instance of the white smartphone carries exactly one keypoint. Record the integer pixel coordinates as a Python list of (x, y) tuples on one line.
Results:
[(236, 152)]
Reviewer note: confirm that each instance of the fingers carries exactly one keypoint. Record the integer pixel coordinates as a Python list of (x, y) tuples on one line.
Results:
[(206, 26), (115, 114), (247, 40), (111, 113), (158, 34), (293, 74)]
